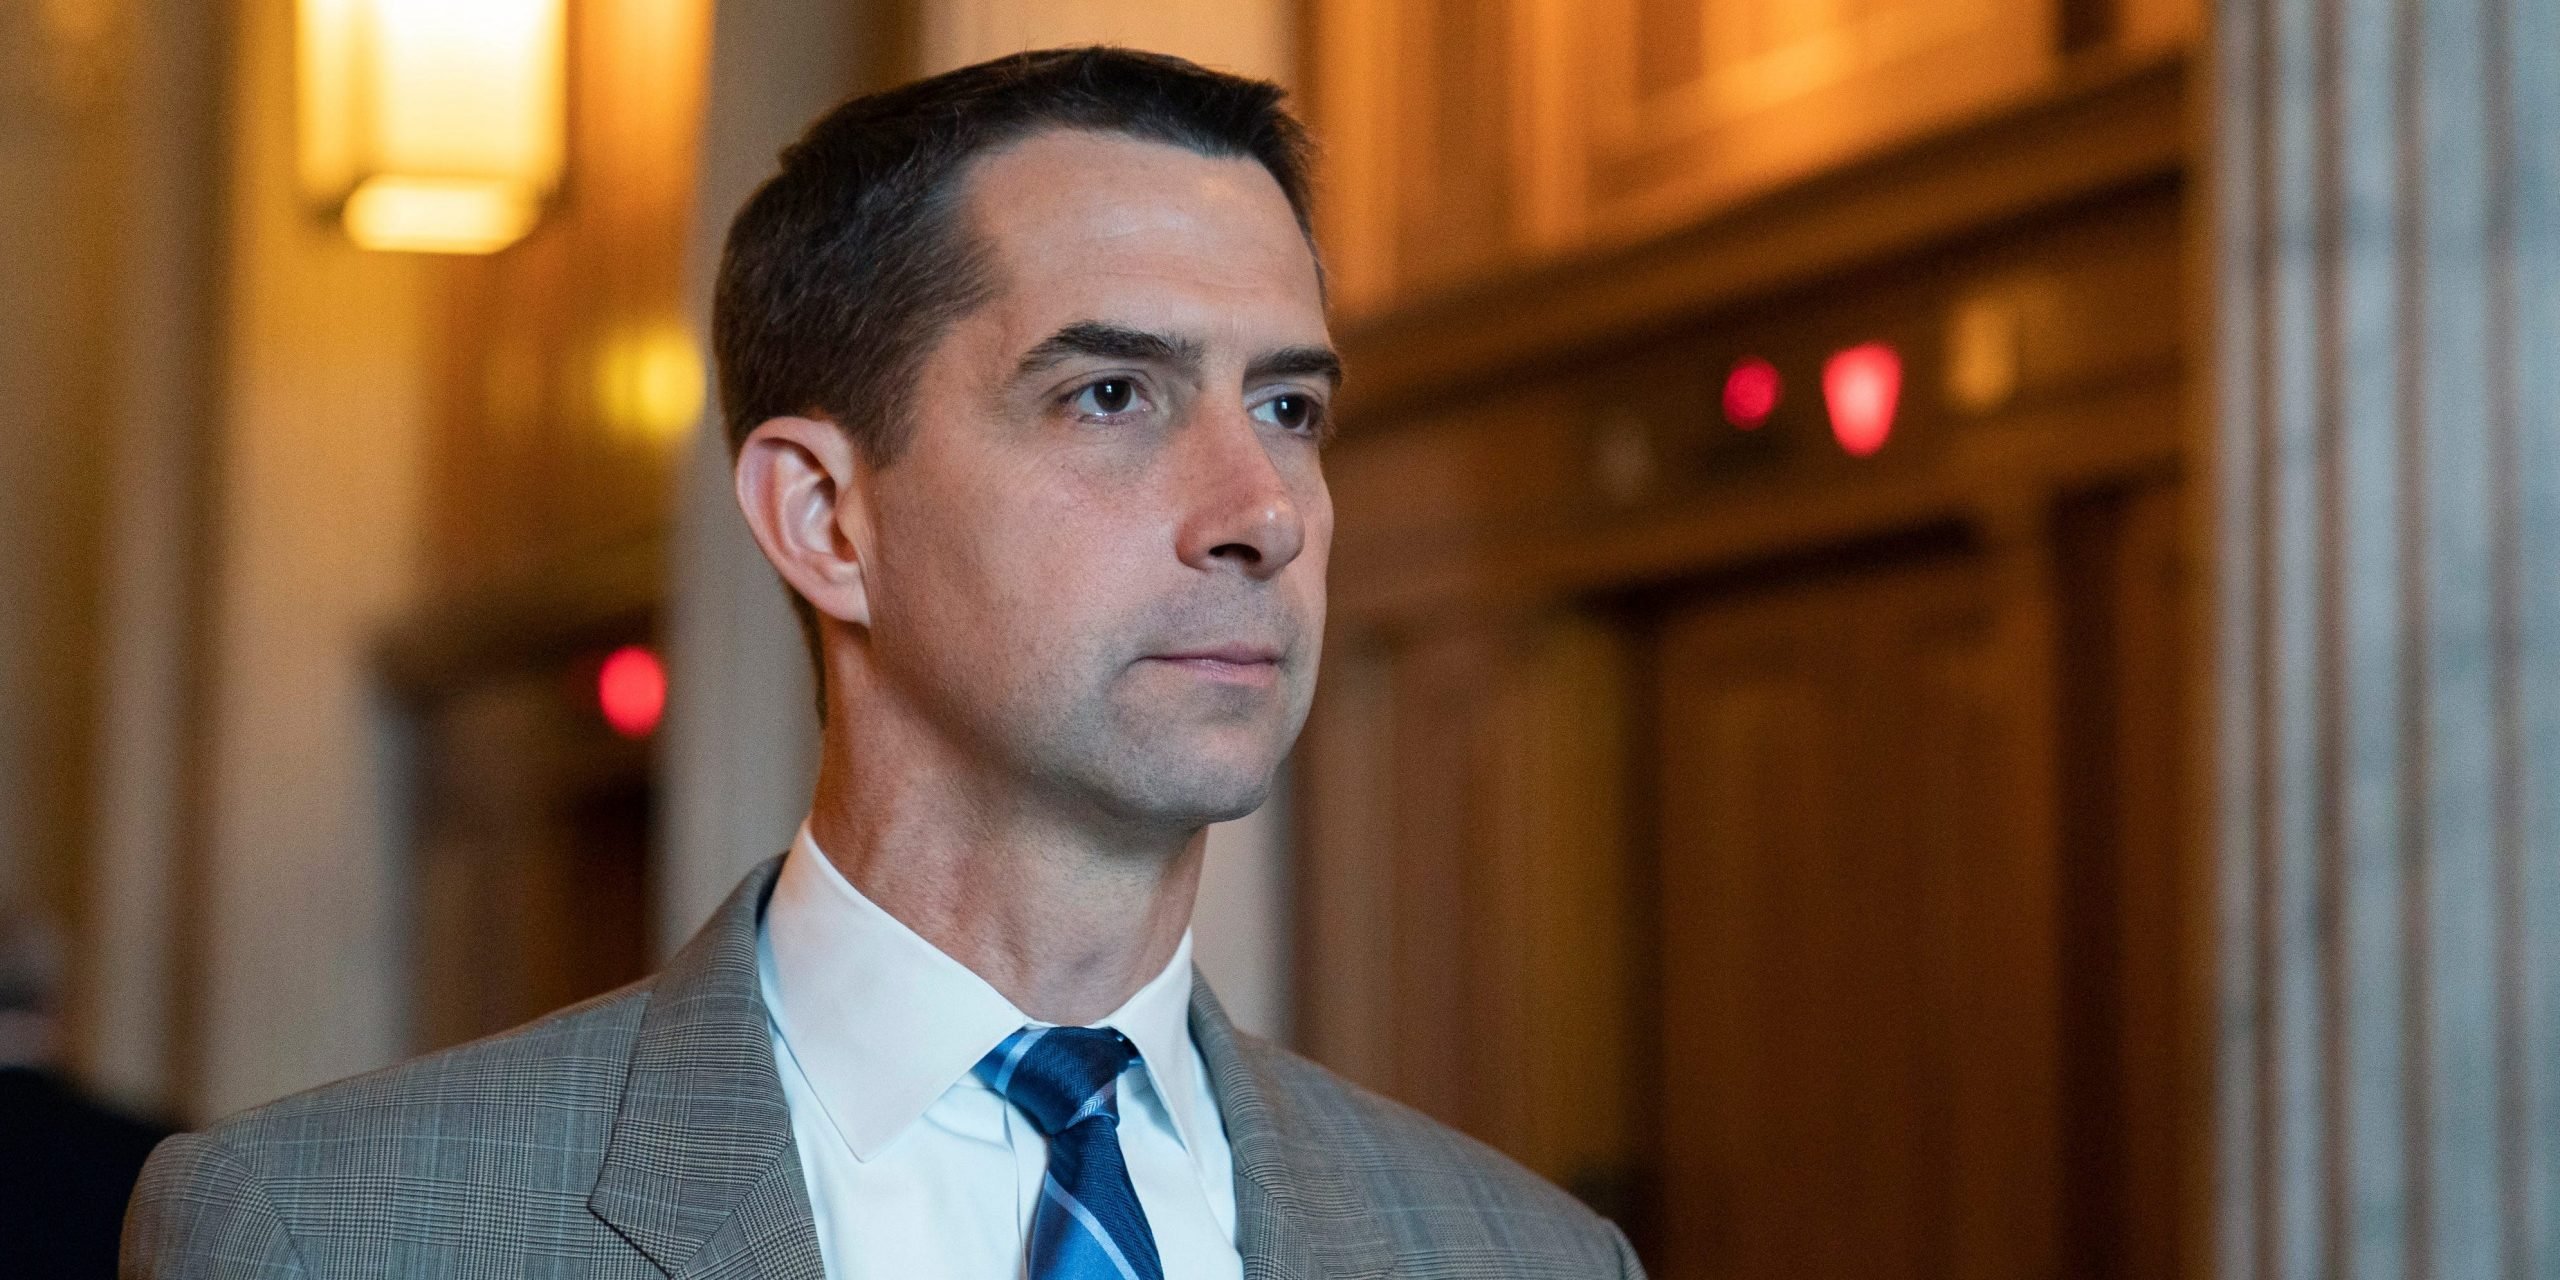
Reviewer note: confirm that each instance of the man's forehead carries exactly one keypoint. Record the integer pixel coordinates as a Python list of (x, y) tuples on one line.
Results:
[(1139, 232), (1067, 172)]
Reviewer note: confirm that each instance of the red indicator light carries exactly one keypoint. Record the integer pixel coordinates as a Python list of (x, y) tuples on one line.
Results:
[(1751, 392), (1861, 386), (631, 690)]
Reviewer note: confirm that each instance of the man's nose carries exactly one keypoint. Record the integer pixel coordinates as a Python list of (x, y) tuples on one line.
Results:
[(1237, 510)]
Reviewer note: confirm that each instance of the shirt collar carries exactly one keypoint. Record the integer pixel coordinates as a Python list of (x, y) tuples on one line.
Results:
[(1157, 1019), (882, 1022)]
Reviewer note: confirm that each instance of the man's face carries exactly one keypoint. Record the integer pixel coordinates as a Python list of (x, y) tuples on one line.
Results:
[(1100, 556)]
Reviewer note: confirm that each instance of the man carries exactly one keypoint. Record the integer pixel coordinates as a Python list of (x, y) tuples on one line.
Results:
[(1027, 373), (67, 1162)]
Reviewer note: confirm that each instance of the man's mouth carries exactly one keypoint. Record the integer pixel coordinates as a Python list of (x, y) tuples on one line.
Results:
[(1232, 663)]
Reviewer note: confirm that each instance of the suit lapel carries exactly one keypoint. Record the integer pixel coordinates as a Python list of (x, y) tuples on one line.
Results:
[(700, 1174), (1297, 1214)]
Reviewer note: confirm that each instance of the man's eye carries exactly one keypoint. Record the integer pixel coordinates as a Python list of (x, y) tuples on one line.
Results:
[(1107, 398), (1291, 412)]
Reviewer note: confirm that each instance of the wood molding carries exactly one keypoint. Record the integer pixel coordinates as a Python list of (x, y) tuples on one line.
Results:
[(2107, 126), (1536, 564), (1508, 493), (524, 619)]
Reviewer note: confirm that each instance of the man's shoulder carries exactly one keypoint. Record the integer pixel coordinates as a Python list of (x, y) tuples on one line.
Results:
[(522, 1112), (564, 1070), (1433, 1187), (493, 1144)]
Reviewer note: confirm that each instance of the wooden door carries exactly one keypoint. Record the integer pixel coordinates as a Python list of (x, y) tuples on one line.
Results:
[(531, 852), (1860, 1057)]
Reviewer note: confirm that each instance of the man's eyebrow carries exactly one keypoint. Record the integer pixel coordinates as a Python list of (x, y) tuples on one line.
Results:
[(1296, 362), (1100, 341)]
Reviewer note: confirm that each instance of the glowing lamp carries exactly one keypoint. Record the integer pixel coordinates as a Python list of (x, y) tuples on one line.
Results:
[(631, 691), (649, 381), (432, 126), (1861, 386), (1751, 392)]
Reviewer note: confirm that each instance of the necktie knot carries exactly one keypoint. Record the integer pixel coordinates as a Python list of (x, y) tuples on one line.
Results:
[(1060, 1076)]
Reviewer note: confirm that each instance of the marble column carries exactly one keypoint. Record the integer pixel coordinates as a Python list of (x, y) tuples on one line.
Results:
[(2388, 537)]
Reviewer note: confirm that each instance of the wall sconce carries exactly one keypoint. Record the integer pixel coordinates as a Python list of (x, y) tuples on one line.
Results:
[(432, 126), (649, 381)]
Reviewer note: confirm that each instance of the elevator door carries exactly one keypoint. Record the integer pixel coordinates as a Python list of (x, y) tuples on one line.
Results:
[(1861, 1053)]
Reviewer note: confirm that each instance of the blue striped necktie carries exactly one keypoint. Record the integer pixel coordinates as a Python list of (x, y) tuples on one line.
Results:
[(1088, 1225)]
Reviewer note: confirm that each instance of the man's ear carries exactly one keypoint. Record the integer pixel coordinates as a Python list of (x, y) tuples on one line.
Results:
[(797, 483)]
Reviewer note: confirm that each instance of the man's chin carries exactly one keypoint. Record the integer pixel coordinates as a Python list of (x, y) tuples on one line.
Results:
[(1169, 772), (1186, 794)]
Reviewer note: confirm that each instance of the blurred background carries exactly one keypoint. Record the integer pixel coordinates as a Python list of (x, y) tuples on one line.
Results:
[(1943, 654)]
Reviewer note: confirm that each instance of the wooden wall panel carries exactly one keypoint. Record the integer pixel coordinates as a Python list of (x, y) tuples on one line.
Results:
[(1424, 109), (1471, 930), (1861, 1049), (1897, 738), (1466, 139), (1347, 918), (2133, 903), (2148, 25), (1694, 105), (1454, 212)]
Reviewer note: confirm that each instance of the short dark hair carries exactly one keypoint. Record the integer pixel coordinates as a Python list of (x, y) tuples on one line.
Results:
[(846, 267), (849, 264)]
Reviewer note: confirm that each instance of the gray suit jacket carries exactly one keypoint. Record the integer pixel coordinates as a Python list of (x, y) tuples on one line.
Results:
[(644, 1133)]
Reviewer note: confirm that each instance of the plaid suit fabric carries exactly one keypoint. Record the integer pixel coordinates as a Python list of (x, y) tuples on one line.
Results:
[(1335, 1181), (644, 1133)]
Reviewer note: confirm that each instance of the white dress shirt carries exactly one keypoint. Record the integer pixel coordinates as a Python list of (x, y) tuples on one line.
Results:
[(915, 1168)]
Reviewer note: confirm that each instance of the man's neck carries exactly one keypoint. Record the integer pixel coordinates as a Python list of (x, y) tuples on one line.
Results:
[(1066, 922)]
